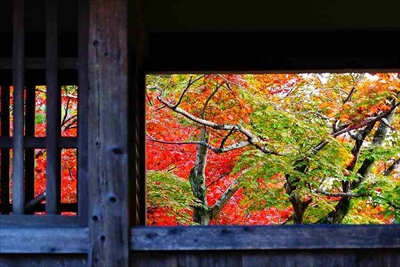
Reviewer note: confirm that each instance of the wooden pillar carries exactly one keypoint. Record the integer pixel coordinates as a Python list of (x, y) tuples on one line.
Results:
[(18, 113), (108, 133), (53, 112)]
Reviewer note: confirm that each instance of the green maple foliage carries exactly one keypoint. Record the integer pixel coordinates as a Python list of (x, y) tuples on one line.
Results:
[(320, 148)]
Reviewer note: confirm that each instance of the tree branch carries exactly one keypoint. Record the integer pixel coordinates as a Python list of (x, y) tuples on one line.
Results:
[(209, 99), (217, 150), (341, 194), (190, 83), (65, 111), (32, 203), (218, 206), (226, 138), (392, 167), (252, 138)]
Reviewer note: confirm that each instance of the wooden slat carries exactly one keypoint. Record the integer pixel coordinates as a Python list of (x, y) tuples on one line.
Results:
[(29, 152), (40, 63), (33, 221), (44, 240), (5, 152), (265, 237), (108, 133), (83, 84), (53, 114), (43, 260), (136, 116), (40, 142), (69, 207), (18, 114), (270, 258)]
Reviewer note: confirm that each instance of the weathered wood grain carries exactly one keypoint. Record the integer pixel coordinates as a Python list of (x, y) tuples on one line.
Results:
[(36, 206), (155, 259), (43, 260), (43, 240), (137, 128), (83, 94), (270, 258), (18, 113), (265, 237), (29, 220), (53, 115), (108, 133), (40, 142)]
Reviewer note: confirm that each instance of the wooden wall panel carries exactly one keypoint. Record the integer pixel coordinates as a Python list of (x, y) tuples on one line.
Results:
[(43, 260), (269, 258), (108, 133)]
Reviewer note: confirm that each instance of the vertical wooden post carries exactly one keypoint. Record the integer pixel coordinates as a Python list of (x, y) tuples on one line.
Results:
[(108, 133), (83, 90), (18, 131), (138, 125), (53, 112)]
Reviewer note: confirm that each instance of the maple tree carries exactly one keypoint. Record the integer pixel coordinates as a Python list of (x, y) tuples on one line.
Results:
[(314, 147), (69, 126)]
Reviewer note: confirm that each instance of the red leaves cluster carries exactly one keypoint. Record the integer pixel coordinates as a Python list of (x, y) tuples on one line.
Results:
[(226, 106), (69, 104)]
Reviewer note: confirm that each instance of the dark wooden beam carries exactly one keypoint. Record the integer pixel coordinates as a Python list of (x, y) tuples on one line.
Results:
[(44, 240), (40, 63), (83, 127), (18, 114), (53, 114), (39, 142), (33, 221), (272, 51), (108, 133), (265, 237)]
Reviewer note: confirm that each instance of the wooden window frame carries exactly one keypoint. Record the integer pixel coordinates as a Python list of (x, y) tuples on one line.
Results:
[(57, 72), (148, 56), (256, 52)]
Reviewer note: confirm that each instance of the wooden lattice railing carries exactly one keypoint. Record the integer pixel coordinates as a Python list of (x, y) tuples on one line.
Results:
[(46, 50)]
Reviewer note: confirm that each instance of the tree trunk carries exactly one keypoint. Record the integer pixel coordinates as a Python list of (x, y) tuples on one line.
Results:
[(299, 205), (197, 181), (343, 206)]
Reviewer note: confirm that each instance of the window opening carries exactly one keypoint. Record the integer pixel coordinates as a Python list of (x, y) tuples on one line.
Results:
[(35, 154), (307, 148)]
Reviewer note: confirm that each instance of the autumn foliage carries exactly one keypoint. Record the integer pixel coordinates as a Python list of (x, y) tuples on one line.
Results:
[(319, 141), (68, 124)]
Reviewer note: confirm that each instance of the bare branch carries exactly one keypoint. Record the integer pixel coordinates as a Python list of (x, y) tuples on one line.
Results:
[(341, 194), (217, 150), (190, 83), (392, 167), (70, 122), (209, 99), (252, 138), (32, 203), (226, 137), (222, 176), (348, 98), (217, 207), (347, 128), (65, 111)]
